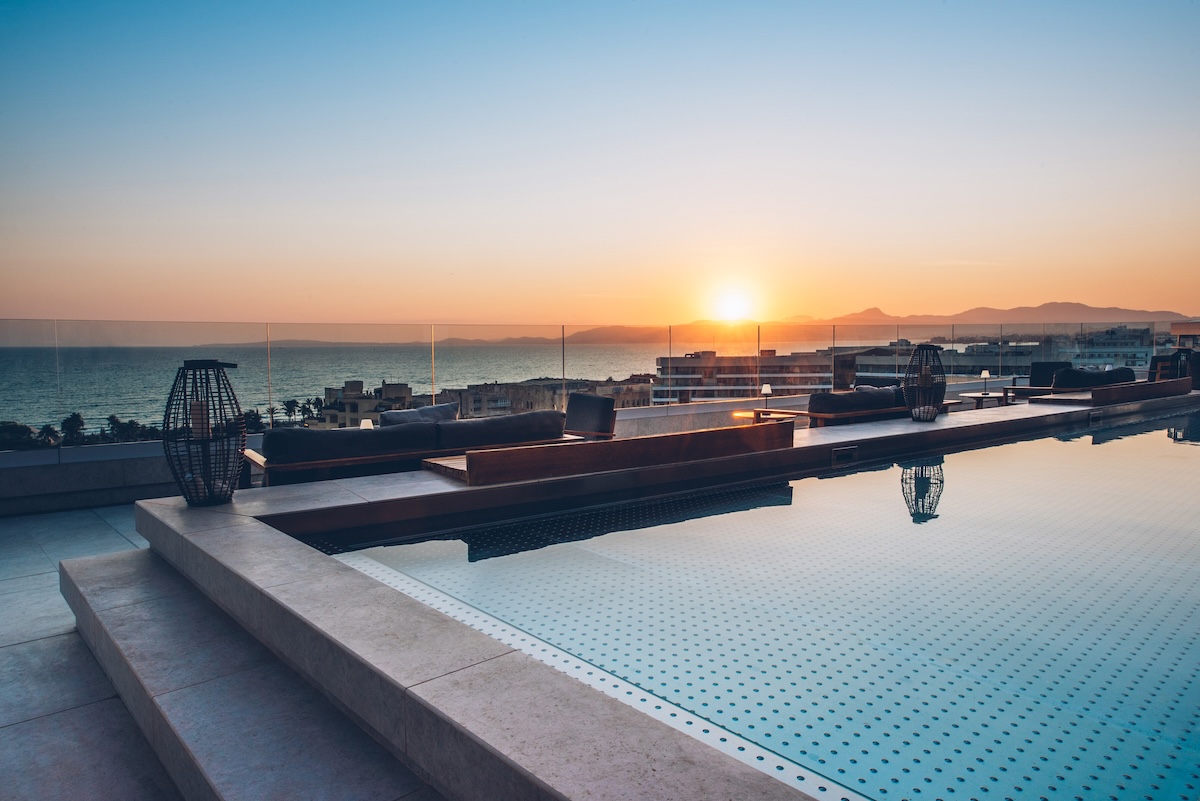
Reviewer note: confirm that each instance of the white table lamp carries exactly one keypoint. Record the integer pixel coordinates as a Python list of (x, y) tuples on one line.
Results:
[(766, 393), (985, 375)]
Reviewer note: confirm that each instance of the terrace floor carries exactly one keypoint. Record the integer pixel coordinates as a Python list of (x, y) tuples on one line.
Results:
[(64, 732)]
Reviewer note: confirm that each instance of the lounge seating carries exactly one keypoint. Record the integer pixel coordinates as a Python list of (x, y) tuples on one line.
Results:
[(1041, 379), (593, 417), (1170, 365), (860, 400), (832, 408), (293, 455), (1122, 392), (864, 403), (435, 413), (1073, 378)]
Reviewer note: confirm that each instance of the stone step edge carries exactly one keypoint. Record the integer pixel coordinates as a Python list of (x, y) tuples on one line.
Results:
[(190, 777)]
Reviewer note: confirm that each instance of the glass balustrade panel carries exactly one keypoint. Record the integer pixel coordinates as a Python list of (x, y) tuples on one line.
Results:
[(621, 361), (493, 370), (879, 355), (115, 376), (712, 362), (1107, 346), (799, 359), (971, 349), (32, 414), (326, 375)]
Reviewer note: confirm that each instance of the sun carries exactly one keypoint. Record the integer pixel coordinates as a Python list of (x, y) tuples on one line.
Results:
[(731, 304)]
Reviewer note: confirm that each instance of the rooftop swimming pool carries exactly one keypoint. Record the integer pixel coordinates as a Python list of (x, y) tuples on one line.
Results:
[(1019, 621)]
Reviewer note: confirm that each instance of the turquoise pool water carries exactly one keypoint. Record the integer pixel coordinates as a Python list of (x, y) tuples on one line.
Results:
[(1021, 621)]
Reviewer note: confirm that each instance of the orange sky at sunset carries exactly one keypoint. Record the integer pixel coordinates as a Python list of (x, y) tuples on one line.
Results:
[(584, 164)]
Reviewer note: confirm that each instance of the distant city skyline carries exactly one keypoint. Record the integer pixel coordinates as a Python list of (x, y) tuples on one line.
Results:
[(656, 163)]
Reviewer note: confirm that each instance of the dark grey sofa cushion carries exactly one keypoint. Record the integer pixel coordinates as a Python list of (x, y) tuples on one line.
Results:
[(861, 400), (1074, 378), (432, 414), (289, 445), (511, 428), (1041, 374)]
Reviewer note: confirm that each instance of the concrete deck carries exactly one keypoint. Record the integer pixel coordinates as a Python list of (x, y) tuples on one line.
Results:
[(474, 718)]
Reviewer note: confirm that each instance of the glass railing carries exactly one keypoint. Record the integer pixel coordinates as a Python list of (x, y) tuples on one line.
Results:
[(82, 382)]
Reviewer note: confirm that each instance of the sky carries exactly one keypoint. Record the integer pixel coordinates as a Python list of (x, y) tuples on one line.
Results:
[(594, 163)]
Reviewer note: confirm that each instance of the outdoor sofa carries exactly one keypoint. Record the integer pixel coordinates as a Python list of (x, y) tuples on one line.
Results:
[(401, 442), (834, 408)]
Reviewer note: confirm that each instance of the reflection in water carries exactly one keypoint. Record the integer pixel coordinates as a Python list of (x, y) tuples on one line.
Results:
[(528, 535), (922, 481), (1182, 428), (1186, 429)]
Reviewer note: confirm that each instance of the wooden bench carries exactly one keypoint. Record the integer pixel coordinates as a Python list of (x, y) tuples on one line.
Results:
[(820, 419), (275, 474), (531, 463)]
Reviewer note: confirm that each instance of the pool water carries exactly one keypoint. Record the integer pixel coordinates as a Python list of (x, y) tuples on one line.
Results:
[(1020, 621)]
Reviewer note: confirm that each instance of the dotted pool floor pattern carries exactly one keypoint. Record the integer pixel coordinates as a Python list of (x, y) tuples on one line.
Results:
[(1038, 638)]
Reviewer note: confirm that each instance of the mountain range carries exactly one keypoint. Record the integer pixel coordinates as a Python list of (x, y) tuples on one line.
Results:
[(743, 330), (1021, 315)]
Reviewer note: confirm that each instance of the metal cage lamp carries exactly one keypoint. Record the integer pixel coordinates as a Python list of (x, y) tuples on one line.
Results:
[(925, 383), (204, 433)]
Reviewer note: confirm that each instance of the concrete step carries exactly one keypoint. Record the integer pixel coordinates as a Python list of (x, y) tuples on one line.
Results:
[(225, 716)]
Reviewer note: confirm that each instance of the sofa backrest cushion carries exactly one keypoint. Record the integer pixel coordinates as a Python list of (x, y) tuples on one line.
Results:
[(862, 399), (1041, 374), (432, 414), (290, 445), (505, 430), (1074, 378)]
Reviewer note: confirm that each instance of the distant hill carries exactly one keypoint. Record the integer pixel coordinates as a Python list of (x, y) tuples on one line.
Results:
[(745, 330), (1022, 315)]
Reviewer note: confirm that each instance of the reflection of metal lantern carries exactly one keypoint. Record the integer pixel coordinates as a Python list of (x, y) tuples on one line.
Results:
[(921, 482), (925, 383), (204, 433)]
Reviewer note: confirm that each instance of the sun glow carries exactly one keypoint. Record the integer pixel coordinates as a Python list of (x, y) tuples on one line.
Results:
[(731, 304)]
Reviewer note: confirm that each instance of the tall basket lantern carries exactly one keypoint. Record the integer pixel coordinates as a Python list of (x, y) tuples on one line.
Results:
[(204, 433), (925, 383)]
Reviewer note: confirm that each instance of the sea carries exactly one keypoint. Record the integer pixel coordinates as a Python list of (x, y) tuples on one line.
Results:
[(43, 385)]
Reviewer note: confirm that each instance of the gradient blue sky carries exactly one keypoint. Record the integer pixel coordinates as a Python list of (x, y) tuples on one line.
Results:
[(595, 163)]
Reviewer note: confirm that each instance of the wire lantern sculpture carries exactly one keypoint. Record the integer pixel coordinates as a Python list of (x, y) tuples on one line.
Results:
[(925, 383), (204, 433), (922, 482)]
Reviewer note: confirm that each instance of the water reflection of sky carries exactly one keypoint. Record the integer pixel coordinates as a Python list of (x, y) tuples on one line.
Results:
[(1038, 638)]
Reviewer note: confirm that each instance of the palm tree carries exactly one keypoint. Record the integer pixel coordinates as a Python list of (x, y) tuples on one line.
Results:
[(289, 407), (48, 435), (306, 410), (318, 403), (254, 422), (73, 427), (271, 412)]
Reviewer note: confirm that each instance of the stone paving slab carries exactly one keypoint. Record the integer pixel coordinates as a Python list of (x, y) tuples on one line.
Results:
[(34, 614), (46, 676), (90, 753), (22, 584)]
